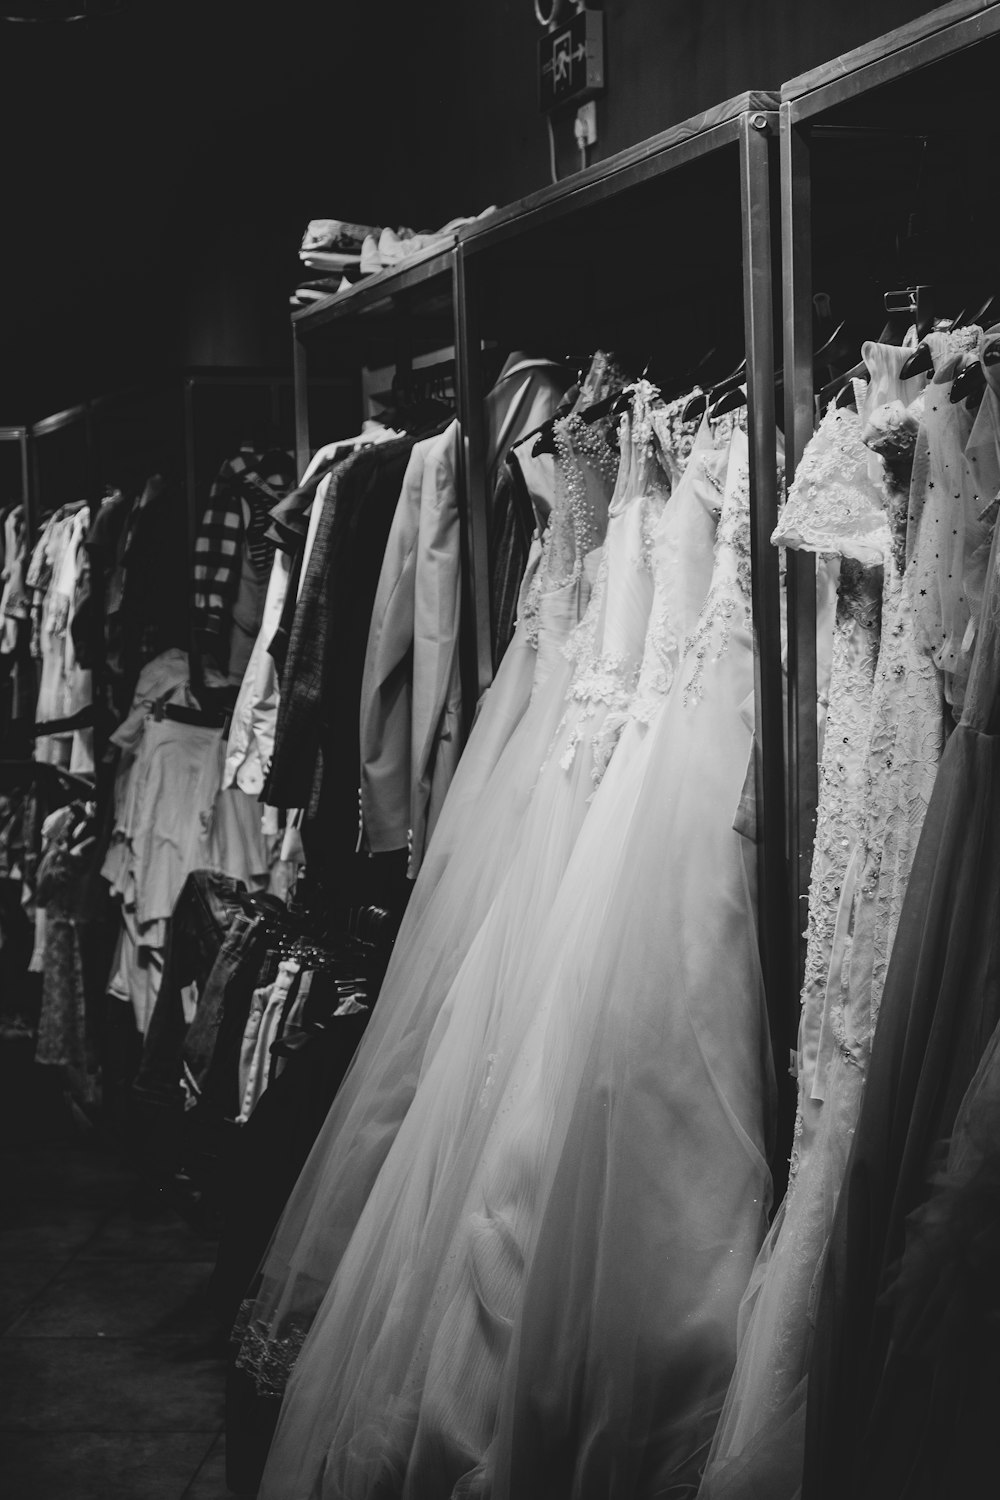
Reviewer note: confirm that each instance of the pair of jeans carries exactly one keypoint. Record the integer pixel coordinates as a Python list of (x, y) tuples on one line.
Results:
[(212, 1045), (205, 911)]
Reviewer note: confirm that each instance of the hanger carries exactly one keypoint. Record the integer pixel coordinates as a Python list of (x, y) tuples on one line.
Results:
[(702, 400), (841, 388), (611, 406), (18, 773), (545, 431), (203, 718), (969, 383), (729, 401)]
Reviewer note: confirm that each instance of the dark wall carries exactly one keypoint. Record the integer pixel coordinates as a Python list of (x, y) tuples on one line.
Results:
[(666, 60), (160, 164)]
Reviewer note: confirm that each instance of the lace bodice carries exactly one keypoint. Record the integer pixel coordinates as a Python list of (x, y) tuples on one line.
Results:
[(606, 647), (889, 425), (676, 434), (682, 559), (833, 506), (839, 811), (901, 758), (727, 606)]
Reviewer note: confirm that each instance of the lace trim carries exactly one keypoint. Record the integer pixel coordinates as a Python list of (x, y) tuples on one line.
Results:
[(832, 506), (676, 433), (839, 814), (269, 1361), (728, 600)]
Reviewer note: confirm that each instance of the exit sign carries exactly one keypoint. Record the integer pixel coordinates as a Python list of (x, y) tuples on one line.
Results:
[(571, 61)]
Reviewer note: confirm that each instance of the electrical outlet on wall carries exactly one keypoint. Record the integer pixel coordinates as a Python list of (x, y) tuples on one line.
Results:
[(585, 128)]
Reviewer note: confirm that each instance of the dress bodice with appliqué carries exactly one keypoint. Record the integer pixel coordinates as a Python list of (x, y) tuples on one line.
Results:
[(727, 611), (606, 647), (681, 556), (559, 593), (901, 755), (676, 434), (834, 508)]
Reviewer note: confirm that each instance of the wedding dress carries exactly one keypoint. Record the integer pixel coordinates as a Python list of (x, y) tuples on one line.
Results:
[(871, 1416), (468, 856), (833, 508), (647, 1079), (352, 1400), (759, 1447), (480, 1284)]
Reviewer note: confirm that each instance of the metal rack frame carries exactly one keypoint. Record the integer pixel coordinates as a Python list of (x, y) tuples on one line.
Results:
[(385, 298), (806, 105), (22, 436), (747, 127), (180, 389)]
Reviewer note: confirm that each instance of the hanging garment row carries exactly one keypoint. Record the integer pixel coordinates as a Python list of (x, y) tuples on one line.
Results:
[(899, 485), (469, 1158)]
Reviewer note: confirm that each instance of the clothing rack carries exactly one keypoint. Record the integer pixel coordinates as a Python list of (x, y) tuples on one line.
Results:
[(925, 83), (542, 272)]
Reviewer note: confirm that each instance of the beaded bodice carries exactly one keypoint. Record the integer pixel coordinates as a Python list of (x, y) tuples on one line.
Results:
[(606, 647), (935, 535)]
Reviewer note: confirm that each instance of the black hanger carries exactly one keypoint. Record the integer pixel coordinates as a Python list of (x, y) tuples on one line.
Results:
[(20, 773), (969, 383), (545, 431), (700, 401), (841, 388), (920, 362), (202, 718), (611, 406), (728, 401)]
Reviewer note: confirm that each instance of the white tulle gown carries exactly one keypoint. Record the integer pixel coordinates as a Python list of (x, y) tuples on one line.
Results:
[(473, 844), (349, 1391), (616, 1258), (653, 1078)]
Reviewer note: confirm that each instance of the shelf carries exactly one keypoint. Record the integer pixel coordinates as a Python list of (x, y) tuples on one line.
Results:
[(376, 295), (686, 142), (898, 59)]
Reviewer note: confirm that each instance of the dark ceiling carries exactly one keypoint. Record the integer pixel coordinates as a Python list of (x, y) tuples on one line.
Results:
[(160, 163)]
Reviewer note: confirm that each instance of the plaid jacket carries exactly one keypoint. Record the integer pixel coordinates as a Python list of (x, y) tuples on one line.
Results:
[(220, 536)]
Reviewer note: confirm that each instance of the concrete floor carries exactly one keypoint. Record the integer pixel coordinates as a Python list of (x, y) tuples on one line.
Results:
[(111, 1367)]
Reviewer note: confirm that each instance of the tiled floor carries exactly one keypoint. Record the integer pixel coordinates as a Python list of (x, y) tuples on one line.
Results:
[(111, 1377)]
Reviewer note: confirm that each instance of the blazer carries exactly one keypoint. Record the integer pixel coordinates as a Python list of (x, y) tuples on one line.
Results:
[(411, 704)]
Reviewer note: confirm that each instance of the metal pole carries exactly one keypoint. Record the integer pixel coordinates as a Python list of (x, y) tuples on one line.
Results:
[(300, 376), (476, 645), (755, 148), (27, 498), (803, 745), (36, 486), (190, 467)]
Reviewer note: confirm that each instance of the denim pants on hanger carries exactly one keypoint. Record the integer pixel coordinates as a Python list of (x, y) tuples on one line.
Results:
[(212, 1045), (205, 910)]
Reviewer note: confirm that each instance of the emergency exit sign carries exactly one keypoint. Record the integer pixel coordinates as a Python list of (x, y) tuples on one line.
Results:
[(571, 61)]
